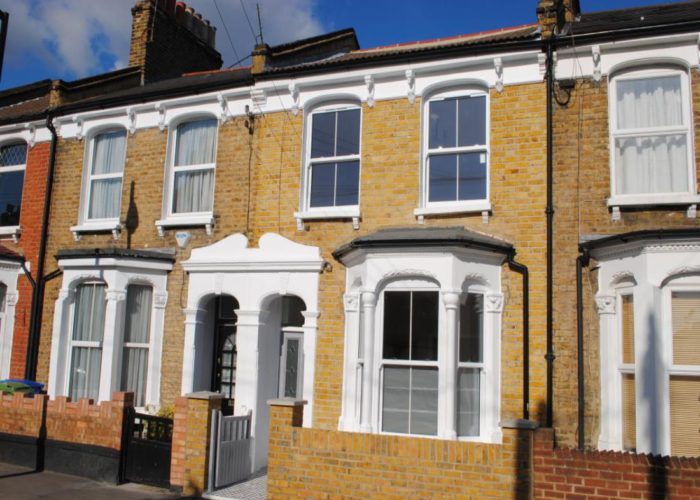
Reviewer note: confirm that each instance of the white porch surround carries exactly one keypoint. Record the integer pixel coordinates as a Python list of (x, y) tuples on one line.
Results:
[(117, 269), (648, 269), (255, 277), (453, 271), (9, 270)]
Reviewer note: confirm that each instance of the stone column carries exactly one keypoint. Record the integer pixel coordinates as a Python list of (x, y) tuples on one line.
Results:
[(369, 304), (310, 327), (109, 377), (610, 391), (190, 352), (59, 341), (451, 300)]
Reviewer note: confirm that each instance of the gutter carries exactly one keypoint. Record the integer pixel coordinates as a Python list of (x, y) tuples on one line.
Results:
[(38, 290), (522, 269)]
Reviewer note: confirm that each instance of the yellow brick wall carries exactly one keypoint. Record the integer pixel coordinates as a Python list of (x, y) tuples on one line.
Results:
[(272, 157), (581, 188)]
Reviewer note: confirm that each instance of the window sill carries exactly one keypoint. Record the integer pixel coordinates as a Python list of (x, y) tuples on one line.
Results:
[(13, 232), (96, 227), (329, 213), (482, 206), (185, 221), (648, 200)]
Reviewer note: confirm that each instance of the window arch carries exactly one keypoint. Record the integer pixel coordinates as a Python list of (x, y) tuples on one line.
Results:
[(13, 163)]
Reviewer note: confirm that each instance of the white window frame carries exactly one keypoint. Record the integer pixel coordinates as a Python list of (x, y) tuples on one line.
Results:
[(85, 223), (14, 231), (622, 368), (173, 219), (117, 274), (331, 212), (426, 207), (687, 129)]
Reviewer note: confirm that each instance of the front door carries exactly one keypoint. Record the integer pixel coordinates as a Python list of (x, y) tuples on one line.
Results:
[(224, 366)]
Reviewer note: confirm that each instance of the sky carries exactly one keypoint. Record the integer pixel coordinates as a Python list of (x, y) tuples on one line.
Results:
[(70, 39)]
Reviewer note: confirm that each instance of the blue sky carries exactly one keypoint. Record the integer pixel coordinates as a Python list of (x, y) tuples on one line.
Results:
[(71, 39)]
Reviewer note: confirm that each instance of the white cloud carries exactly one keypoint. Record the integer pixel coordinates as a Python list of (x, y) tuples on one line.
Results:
[(77, 38)]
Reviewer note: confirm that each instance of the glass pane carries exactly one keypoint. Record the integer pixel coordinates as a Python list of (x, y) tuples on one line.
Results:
[(348, 140), (323, 135), (195, 142), (396, 398), (656, 164), (472, 176), (443, 124), (472, 121), (649, 102), (685, 408), (292, 308), (134, 373), (424, 398), (194, 191), (468, 391), (629, 413), (627, 329), (138, 314), (108, 154), (227, 307), (292, 368), (13, 154), (11, 184), (686, 328), (442, 185), (3, 296), (424, 331), (89, 315), (471, 328), (105, 198), (322, 185), (397, 325), (347, 188), (85, 373)]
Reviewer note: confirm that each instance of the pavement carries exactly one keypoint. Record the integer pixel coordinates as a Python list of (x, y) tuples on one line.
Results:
[(20, 483)]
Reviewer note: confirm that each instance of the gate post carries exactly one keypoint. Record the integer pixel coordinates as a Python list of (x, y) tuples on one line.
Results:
[(189, 464)]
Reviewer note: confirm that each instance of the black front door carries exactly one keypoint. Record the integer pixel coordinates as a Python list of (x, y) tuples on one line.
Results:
[(224, 372)]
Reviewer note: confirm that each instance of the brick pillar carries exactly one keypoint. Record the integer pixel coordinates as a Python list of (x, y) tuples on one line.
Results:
[(519, 434), (284, 414), (191, 431)]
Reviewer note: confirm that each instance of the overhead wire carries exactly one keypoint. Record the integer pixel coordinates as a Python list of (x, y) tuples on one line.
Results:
[(228, 34)]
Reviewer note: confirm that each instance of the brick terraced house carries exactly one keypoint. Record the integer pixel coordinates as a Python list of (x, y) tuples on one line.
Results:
[(415, 253)]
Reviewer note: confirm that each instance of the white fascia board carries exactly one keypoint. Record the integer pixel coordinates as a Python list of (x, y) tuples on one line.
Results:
[(253, 266), (30, 132), (576, 62), (123, 263)]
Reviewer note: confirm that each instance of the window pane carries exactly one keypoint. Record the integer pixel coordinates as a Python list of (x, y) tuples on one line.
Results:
[(134, 373), (85, 373), (627, 329), (685, 408), (425, 326), (629, 413), (108, 155), (292, 308), (194, 191), (322, 135), (138, 314), (443, 124), (397, 325), (105, 198), (3, 296), (89, 320), (472, 121), (443, 178), (424, 397), (657, 164), (11, 184), (686, 328), (292, 368), (468, 393), (13, 154), (227, 307), (471, 328), (195, 142), (649, 102), (347, 189), (348, 139), (396, 398), (472, 176), (322, 184)]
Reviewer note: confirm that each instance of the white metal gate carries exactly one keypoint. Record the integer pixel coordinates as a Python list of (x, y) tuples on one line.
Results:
[(229, 453)]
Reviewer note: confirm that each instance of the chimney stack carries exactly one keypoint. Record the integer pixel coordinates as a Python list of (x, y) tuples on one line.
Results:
[(169, 38), (554, 15)]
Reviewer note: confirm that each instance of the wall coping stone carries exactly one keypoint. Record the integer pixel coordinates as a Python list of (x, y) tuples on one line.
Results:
[(519, 423), (287, 402), (205, 395)]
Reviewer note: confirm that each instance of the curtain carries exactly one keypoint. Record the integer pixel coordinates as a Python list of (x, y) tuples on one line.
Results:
[(88, 326), (105, 198), (468, 392), (650, 163), (194, 191), (108, 157), (410, 397), (195, 143), (137, 331)]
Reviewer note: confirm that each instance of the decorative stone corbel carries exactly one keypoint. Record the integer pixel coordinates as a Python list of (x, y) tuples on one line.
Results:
[(131, 120), (692, 212), (616, 215), (15, 234), (498, 67), (420, 219), (160, 299), (294, 93), (32, 135), (224, 114), (12, 299), (76, 234), (542, 64), (258, 96), (209, 227), (597, 72), (160, 108), (300, 224), (494, 302), (369, 83), (161, 231), (356, 223), (116, 232), (485, 216), (79, 123), (605, 304), (411, 82)]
